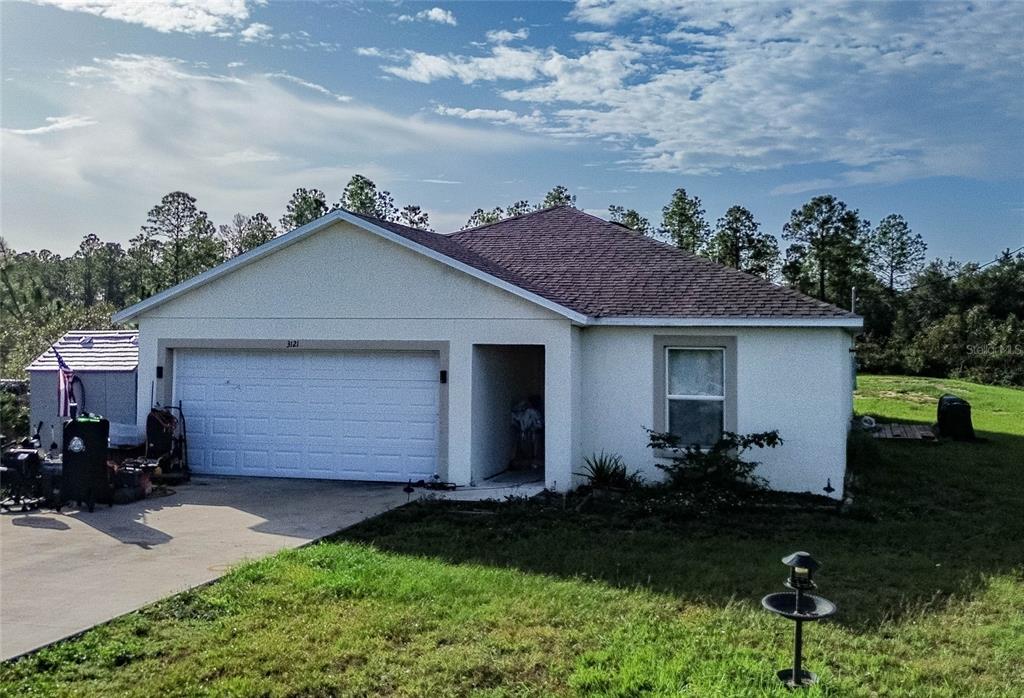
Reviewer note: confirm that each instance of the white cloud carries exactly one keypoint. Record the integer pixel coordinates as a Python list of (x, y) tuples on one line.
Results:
[(498, 116), (256, 32), (887, 92), (310, 85), (434, 14), (504, 63), (53, 124), (190, 16), (593, 37), (563, 77), (136, 74), (239, 143), (244, 156), (303, 41), (236, 64), (440, 181), (504, 36), (609, 12)]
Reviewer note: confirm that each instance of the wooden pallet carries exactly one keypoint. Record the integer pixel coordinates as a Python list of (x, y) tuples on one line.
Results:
[(913, 432)]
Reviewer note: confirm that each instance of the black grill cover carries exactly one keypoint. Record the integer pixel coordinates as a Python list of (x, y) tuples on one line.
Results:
[(955, 418), (160, 426), (20, 466), (86, 478)]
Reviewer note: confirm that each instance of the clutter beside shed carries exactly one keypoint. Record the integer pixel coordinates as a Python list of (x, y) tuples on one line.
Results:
[(83, 398), (88, 470)]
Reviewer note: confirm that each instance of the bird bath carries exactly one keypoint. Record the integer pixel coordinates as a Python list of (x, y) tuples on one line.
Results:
[(801, 607), (810, 607)]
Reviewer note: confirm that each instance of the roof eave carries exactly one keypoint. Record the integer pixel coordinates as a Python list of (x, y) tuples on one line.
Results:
[(843, 322), (91, 369)]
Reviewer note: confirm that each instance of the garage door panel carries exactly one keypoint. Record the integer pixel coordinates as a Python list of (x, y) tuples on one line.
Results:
[(223, 459), (359, 415), (255, 426), (256, 461), (388, 396), (285, 395), (191, 390), (321, 462), (422, 433), (257, 393), (322, 426), (286, 427), (352, 394), (287, 460), (421, 396), (220, 426)]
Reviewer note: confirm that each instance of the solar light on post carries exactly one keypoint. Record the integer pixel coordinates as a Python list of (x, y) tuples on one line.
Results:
[(799, 606)]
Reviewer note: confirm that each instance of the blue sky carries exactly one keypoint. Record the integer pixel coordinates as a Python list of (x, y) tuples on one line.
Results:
[(909, 108)]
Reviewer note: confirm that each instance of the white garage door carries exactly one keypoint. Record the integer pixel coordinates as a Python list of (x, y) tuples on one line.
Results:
[(332, 415)]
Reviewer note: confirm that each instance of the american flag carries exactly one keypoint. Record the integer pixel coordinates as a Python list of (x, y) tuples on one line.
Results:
[(65, 386)]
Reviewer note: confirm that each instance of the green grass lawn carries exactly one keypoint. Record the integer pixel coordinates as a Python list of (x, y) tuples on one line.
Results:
[(522, 598)]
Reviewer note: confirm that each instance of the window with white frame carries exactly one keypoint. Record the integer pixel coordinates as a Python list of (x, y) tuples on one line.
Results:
[(695, 394)]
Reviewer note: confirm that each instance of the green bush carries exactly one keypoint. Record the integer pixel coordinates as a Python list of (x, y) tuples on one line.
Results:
[(719, 466), (13, 415), (607, 471)]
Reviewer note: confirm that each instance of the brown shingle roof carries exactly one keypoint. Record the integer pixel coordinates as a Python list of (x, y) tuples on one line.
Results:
[(601, 269)]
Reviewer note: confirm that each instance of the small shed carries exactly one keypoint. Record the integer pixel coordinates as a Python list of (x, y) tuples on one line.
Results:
[(107, 363)]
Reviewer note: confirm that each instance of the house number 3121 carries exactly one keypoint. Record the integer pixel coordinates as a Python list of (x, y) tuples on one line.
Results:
[(292, 343)]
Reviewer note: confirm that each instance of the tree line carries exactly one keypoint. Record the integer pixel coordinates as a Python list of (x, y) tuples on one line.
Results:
[(937, 318)]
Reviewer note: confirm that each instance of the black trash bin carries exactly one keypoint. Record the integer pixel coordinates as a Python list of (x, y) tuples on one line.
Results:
[(954, 418), (86, 479)]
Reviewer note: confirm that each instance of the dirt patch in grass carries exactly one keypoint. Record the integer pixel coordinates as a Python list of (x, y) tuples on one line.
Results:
[(908, 396)]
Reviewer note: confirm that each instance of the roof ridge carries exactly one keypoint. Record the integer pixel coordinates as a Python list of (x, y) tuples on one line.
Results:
[(386, 222), (511, 218)]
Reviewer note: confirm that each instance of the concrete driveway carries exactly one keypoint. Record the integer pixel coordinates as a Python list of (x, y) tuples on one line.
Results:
[(63, 573)]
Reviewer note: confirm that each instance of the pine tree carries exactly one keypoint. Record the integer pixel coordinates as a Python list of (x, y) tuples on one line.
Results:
[(683, 222), (738, 243)]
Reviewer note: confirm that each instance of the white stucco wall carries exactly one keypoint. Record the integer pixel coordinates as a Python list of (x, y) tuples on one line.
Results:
[(346, 285), (795, 380)]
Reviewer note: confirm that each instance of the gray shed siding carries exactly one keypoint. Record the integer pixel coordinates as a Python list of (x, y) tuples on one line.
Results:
[(111, 394)]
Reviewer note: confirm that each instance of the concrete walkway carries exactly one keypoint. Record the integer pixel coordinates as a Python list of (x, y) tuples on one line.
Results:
[(63, 573), (498, 487)]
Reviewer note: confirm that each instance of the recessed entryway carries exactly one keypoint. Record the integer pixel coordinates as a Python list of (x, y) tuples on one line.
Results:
[(508, 410)]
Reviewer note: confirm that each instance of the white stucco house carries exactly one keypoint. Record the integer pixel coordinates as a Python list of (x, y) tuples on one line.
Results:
[(353, 348)]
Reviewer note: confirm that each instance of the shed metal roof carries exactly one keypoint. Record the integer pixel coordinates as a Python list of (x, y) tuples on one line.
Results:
[(93, 350)]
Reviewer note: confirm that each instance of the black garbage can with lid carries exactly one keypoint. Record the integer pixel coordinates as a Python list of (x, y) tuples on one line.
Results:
[(954, 418), (86, 479)]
